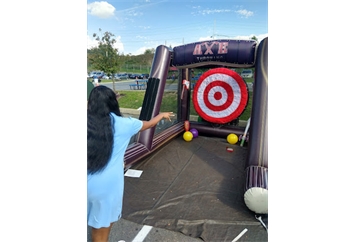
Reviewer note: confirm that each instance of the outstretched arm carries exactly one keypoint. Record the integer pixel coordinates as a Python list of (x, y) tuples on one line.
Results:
[(155, 120)]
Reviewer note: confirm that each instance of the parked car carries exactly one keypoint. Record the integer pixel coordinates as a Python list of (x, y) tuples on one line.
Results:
[(145, 76), (247, 73), (124, 76), (97, 75), (134, 76), (121, 76), (91, 74), (116, 76)]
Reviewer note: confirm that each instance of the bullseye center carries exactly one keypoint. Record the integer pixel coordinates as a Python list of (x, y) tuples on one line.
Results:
[(217, 95)]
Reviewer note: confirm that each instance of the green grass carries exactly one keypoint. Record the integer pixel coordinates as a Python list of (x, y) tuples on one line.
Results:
[(131, 99), (169, 102), (134, 99), (247, 113)]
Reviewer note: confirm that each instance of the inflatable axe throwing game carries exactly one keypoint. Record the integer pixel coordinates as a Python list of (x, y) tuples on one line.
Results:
[(219, 96)]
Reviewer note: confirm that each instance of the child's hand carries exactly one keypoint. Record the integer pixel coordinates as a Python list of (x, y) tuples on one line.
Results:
[(168, 115)]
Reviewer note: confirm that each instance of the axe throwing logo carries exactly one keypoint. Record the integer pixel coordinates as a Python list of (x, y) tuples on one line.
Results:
[(220, 95)]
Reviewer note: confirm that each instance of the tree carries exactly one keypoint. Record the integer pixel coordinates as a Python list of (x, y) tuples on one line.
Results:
[(149, 51), (147, 57), (254, 38), (105, 57)]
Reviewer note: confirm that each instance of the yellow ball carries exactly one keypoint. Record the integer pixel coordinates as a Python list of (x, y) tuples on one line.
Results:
[(187, 136), (232, 139)]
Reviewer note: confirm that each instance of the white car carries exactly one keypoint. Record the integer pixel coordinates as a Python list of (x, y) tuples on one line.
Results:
[(247, 73)]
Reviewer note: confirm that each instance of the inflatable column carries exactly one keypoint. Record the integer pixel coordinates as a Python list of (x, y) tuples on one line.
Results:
[(256, 189)]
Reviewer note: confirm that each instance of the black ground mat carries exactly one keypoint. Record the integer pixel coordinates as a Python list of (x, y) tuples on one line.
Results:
[(195, 188)]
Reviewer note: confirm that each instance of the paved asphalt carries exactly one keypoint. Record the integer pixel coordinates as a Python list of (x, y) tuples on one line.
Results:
[(132, 232), (125, 85)]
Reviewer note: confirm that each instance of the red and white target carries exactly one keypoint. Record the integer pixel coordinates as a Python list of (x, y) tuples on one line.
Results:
[(220, 95)]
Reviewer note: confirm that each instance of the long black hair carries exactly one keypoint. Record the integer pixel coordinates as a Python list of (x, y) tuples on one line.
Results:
[(102, 101)]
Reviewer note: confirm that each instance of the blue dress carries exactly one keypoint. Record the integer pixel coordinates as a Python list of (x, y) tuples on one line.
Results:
[(105, 189)]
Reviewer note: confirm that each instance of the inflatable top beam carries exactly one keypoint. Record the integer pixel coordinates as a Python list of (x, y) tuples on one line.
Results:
[(230, 53)]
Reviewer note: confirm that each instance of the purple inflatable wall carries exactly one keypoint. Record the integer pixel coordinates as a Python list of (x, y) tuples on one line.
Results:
[(233, 53), (256, 190)]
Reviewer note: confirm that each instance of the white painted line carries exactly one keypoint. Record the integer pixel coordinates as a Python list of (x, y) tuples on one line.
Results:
[(133, 173), (240, 235), (142, 234)]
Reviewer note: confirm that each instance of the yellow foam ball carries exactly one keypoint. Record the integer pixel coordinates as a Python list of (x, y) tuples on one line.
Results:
[(187, 136), (232, 139)]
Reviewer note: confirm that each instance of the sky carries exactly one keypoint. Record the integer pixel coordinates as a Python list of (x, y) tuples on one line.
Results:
[(145, 24)]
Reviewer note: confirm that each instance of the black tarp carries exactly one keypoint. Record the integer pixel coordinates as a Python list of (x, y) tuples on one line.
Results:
[(195, 188)]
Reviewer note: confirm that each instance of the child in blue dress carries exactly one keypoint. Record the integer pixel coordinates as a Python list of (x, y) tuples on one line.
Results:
[(108, 135)]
